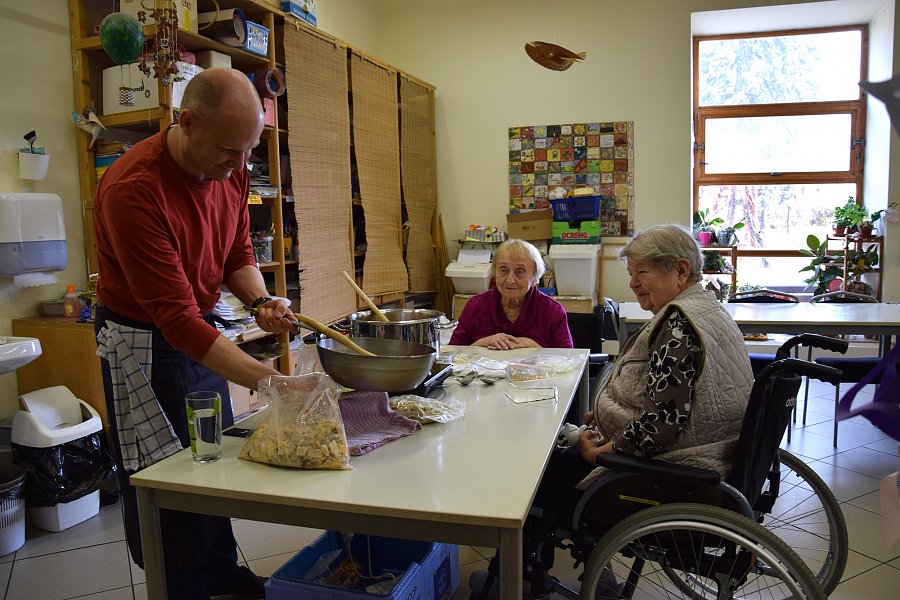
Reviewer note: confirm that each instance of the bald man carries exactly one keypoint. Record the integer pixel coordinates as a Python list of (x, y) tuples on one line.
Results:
[(172, 225)]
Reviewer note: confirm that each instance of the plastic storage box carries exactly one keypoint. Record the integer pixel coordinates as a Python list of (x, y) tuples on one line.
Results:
[(425, 570), (575, 267), (146, 88), (470, 278), (52, 417)]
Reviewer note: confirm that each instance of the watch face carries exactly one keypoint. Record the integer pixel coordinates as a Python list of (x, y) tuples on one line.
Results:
[(240, 32)]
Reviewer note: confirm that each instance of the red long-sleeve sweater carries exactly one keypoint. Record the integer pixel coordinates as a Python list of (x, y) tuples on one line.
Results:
[(166, 242)]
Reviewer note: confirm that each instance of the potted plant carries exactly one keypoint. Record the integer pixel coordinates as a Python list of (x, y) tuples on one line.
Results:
[(713, 262), (859, 262), (825, 267), (705, 227), (847, 216), (727, 236), (867, 226)]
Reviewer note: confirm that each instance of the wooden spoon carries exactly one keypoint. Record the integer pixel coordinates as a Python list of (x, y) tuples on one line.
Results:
[(324, 329), (365, 297)]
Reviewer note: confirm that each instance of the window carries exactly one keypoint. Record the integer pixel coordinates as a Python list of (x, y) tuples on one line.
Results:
[(779, 123)]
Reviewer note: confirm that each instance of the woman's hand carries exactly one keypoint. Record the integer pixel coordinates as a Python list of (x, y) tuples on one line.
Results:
[(504, 341), (590, 446), (275, 317)]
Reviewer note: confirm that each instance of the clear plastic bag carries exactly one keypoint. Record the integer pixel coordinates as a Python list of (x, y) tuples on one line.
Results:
[(427, 410), (303, 426)]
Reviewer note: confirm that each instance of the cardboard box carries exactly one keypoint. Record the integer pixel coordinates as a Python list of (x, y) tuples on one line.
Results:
[(534, 225), (132, 77), (578, 304), (209, 59), (587, 233), (269, 111), (302, 9), (424, 570), (459, 302), (186, 11)]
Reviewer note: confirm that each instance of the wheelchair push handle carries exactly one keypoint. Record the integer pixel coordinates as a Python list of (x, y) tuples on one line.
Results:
[(813, 340), (803, 368)]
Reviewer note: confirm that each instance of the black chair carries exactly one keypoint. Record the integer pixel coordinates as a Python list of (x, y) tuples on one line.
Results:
[(852, 369), (758, 361), (587, 332)]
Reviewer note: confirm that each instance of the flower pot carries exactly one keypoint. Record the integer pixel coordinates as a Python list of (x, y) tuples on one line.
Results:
[(704, 237), (840, 231), (865, 230)]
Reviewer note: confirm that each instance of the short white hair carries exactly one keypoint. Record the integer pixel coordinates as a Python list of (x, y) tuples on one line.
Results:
[(521, 249), (663, 246)]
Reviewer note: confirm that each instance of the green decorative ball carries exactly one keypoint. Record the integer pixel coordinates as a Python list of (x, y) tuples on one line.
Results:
[(121, 37)]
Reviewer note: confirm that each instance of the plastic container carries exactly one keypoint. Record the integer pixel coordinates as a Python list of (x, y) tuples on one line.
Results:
[(572, 210), (262, 249), (470, 278), (575, 267), (424, 570), (71, 303), (12, 508)]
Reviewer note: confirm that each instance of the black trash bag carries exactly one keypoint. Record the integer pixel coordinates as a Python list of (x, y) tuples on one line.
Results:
[(64, 472)]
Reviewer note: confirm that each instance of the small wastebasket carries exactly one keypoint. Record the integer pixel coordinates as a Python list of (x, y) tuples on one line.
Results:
[(58, 440), (12, 508)]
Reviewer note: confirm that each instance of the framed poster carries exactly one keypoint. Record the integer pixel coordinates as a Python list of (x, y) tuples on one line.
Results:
[(544, 158)]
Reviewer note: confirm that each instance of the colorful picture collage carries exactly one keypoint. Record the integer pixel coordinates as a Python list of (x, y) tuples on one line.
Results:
[(543, 158)]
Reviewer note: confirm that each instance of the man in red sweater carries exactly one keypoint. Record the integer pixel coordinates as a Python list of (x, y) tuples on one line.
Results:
[(172, 225)]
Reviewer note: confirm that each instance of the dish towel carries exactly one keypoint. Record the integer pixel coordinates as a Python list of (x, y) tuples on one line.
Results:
[(369, 422)]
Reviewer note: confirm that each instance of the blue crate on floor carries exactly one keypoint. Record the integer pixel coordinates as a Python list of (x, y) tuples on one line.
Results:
[(425, 570)]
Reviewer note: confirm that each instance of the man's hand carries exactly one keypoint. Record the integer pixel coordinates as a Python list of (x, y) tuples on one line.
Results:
[(275, 317)]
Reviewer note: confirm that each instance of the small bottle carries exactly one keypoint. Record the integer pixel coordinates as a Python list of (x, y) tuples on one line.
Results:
[(71, 304)]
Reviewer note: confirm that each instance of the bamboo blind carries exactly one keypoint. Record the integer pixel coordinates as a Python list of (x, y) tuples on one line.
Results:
[(318, 119), (376, 144), (418, 166)]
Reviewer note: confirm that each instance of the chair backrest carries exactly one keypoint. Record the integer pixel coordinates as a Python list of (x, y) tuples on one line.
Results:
[(586, 330), (844, 298), (772, 400), (763, 296)]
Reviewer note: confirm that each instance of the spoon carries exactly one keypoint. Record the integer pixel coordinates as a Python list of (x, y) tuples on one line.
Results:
[(365, 297), (324, 329)]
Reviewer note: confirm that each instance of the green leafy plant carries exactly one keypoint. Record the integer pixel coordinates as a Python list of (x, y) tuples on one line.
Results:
[(704, 222), (715, 263), (848, 215), (727, 236), (825, 267), (861, 261)]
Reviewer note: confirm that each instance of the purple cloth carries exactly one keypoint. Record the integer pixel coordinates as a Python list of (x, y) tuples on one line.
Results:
[(369, 422), (542, 319)]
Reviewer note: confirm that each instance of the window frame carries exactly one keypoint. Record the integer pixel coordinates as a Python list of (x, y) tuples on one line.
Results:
[(855, 108)]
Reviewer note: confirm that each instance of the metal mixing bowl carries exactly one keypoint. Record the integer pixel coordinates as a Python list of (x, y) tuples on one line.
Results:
[(398, 366)]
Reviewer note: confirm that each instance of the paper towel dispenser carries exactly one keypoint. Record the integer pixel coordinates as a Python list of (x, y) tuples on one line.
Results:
[(32, 233)]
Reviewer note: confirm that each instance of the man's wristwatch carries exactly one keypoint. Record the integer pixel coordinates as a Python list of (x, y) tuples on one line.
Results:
[(259, 302)]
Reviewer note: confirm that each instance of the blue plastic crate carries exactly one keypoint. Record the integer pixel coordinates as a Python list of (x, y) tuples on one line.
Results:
[(257, 39), (425, 570), (583, 208)]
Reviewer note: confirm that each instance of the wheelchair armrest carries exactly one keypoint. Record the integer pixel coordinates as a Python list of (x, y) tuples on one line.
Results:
[(659, 469), (598, 358)]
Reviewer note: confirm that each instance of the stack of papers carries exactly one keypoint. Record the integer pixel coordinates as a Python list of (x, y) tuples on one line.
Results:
[(231, 309)]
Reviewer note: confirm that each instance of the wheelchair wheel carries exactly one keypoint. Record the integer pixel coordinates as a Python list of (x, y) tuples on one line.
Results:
[(808, 517), (699, 552)]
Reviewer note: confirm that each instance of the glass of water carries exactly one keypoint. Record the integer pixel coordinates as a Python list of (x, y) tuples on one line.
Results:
[(204, 416)]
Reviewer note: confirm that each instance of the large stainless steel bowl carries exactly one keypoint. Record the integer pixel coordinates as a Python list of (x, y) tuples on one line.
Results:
[(398, 366)]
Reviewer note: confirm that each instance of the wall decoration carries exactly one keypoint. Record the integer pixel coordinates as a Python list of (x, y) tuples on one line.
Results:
[(598, 155)]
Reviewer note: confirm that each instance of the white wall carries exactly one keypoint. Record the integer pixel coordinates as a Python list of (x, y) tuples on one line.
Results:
[(36, 71), (638, 68)]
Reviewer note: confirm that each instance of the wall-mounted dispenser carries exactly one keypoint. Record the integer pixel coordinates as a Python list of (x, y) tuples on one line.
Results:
[(32, 233)]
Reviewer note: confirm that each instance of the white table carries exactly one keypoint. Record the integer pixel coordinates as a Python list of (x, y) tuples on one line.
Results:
[(470, 481), (826, 318)]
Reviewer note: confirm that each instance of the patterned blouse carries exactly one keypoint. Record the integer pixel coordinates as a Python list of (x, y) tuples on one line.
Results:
[(675, 357)]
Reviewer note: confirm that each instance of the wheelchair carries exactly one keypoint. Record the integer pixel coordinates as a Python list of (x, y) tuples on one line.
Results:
[(652, 529)]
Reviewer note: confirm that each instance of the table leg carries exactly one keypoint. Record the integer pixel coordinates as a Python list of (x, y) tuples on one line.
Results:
[(151, 542), (584, 392), (511, 564)]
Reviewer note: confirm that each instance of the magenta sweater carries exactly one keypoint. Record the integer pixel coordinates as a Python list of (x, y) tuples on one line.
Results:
[(542, 319)]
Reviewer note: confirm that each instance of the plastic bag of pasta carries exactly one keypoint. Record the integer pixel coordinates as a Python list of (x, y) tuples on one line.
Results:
[(303, 427), (427, 410)]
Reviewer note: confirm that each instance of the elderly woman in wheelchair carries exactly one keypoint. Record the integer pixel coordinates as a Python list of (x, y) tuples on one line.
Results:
[(677, 393)]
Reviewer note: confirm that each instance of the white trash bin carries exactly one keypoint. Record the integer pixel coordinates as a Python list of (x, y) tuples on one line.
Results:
[(12, 508), (50, 417)]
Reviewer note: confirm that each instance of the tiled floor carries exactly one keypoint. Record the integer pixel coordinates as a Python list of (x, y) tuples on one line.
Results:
[(91, 561)]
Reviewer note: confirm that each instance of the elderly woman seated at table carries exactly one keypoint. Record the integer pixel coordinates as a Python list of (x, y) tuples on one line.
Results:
[(679, 388), (514, 313)]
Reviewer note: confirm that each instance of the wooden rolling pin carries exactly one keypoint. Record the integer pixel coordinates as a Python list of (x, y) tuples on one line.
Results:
[(365, 297)]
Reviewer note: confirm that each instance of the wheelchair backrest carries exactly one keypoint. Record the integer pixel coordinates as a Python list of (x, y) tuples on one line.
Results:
[(772, 400)]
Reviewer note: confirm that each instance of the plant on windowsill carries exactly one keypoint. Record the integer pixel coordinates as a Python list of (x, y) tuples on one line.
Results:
[(727, 236), (847, 216), (713, 262), (826, 268), (867, 225), (859, 262)]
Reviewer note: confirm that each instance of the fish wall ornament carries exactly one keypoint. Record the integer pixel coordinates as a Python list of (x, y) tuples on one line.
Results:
[(551, 56)]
